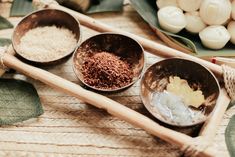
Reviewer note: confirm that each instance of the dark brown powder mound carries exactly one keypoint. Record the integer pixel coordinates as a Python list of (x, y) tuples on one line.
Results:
[(104, 70)]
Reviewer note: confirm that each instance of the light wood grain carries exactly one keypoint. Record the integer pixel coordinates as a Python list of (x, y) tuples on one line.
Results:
[(70, 127)]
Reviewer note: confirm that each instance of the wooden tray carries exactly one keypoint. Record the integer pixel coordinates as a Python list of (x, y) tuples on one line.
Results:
[(71, 128)]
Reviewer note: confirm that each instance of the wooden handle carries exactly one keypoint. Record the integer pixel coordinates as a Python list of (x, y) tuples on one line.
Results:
[(10, 51), (222, 60), (103, 102), (210, 126), (152, 47)]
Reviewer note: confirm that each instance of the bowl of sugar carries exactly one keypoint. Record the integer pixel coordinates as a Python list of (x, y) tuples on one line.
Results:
[(179, 92), (46, 36)]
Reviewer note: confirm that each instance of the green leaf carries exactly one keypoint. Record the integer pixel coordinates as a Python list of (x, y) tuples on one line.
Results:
[(78, 5), (230, 136), (4, 42), (228, 50), (93, 6), (147, 9), (19, 101), (105, 6), (232, 103), (4, 23), (21, 7)]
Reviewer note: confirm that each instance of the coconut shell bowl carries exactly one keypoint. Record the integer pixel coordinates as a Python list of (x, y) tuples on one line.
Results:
[(41, 18), (156, 79), (126, 48)]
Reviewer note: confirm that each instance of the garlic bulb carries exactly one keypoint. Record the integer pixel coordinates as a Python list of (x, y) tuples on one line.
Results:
[(215, 12), (164, 3), (233, 10), (189, 5), (231, 30), (194, 22), (171, 19), (214, 37)]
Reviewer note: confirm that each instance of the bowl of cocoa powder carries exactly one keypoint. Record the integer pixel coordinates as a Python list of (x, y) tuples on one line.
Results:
[(109, 62)]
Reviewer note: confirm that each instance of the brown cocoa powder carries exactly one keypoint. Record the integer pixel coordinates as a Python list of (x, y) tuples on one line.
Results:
[(104, 70)]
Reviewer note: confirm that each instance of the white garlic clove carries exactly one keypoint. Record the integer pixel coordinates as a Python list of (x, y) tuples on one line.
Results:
[(215, 12), (171, 19), (189, 5), (214, 37), (233, 10), (194, 22), (231, 30), (165, 3)]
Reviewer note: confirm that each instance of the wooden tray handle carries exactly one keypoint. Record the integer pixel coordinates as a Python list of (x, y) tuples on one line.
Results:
[(9, 51), (210, 126)]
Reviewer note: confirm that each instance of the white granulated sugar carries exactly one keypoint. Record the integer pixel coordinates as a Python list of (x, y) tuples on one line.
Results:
[(47, 43)]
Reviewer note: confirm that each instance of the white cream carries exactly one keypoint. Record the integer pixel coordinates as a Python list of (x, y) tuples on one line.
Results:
[(172, 108)]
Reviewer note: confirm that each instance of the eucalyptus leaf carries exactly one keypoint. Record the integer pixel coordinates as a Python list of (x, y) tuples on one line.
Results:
[(4, 23), (19, 101), (21, 7), (147, 9), (230, 136), (105, 6), (4, 42)]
